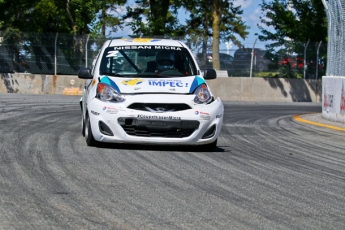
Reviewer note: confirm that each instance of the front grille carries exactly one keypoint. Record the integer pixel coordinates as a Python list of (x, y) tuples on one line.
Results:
[(158, 128), (159, 107)]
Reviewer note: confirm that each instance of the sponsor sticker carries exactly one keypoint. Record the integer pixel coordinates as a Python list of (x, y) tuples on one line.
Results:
[(168, 83), (201, 113), (94, 113), (158, 117), (112, 53), (110, 109), (133, 47), (133, 82), (205, 117)]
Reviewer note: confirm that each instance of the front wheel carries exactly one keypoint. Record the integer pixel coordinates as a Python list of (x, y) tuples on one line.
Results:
[(90, 140), (82, 126), (208, 147)]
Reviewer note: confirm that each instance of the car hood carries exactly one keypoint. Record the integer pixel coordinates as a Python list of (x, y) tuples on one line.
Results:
[(178, 85)]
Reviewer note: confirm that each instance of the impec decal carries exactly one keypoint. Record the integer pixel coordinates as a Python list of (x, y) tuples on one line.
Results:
[(167, 83)]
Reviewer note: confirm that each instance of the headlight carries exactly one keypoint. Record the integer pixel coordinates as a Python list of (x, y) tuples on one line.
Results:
[(107, 93), (202, 95)]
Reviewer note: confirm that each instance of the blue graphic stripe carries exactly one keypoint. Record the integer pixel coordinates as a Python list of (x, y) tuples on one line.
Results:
[(195, 84), (108, 81)]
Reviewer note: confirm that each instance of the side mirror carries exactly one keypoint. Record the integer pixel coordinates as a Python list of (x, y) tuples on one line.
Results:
[(84, 73), (210, 74)]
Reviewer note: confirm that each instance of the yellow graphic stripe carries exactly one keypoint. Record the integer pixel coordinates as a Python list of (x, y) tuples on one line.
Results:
[(298, 118), (142, 39)]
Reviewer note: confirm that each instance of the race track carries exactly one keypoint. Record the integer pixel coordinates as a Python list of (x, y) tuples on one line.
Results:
[(268, 172)]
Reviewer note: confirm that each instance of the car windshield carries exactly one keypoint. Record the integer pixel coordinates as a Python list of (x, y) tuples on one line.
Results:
[(147, 61)]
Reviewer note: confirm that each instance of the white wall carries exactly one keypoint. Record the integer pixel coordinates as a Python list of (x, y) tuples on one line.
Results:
[(333, 98)]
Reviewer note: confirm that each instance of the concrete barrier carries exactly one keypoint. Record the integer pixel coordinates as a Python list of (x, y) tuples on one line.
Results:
[(227, 88), (41, 84), (266, 89), (333, 104)]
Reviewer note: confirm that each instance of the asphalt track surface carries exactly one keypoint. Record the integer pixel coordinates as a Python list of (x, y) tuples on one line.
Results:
[(270, 171)]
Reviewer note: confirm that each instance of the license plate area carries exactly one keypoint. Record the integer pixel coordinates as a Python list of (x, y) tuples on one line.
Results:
[(165, 124), (150, 123), (158, 128)]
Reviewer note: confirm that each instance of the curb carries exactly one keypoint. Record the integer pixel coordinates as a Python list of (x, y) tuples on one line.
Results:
[(298, 118)]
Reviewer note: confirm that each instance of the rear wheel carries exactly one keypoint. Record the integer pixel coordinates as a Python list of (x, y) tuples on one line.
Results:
[(90, 141)]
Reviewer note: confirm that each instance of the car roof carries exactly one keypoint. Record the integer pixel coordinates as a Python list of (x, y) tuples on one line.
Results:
[(144, 41)]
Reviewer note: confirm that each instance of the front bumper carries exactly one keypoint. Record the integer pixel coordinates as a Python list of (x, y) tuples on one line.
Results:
[(195, 125)]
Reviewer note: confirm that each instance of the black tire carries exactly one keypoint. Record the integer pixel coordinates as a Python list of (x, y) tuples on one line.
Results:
[(208, 147), (90, 140), (82, 126)]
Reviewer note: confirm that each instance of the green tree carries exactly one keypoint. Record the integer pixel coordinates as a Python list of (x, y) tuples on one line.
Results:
[(69, 16), (216, 19), (74, 17), (154, 18), (291, 25), (107, 17), (297, 20)]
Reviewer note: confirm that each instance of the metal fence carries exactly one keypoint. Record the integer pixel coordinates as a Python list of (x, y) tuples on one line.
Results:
[(292, 60), (47, 53), (61, 54), (335, 10)]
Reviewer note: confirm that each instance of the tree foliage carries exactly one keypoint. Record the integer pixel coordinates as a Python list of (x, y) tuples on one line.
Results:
[(51, 16), (109, 16), (296, 20), (215, 20), (154, 18), (294, 28), (74, 17)]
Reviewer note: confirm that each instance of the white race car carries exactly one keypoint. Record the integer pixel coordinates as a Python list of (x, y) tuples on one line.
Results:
[(149, 91)]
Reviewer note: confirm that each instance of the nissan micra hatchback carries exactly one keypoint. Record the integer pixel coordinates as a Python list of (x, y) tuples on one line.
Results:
[(149, 91)]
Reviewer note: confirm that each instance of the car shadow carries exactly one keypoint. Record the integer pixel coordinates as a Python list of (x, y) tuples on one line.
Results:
[(166, 148)]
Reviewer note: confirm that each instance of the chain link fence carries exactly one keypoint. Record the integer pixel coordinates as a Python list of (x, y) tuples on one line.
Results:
[(62, 54), (55, 54), (292, 60), (335, 10)]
